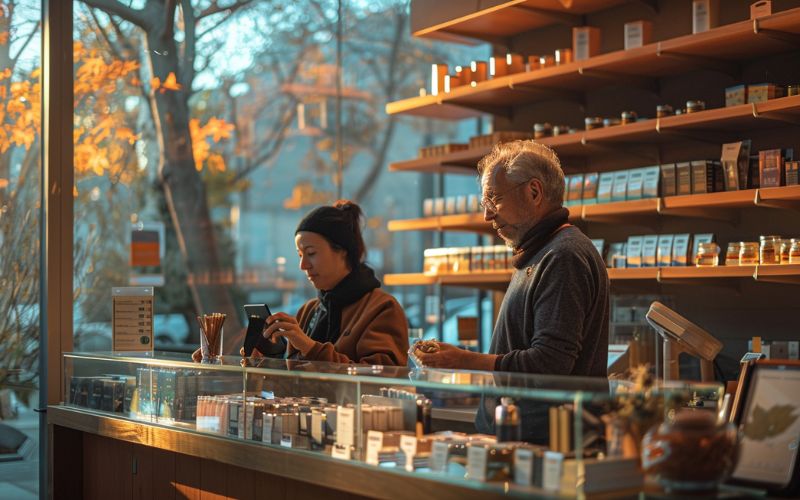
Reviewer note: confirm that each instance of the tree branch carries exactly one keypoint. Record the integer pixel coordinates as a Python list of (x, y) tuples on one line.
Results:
[(215, 8), (113, 7)]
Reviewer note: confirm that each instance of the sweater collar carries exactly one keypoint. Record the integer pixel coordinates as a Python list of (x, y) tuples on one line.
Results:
[(538, 236)]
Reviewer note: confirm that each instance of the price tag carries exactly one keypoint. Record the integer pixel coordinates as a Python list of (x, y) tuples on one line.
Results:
[(374, 445), (477, 457), (341, 452), (132, 318), (439, 456), (551, 475), (523, 467), (408, 444), (345, 421), (286, 441), (266, 428)]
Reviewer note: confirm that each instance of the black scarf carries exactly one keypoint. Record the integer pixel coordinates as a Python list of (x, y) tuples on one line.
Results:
[(538, 236), (326, 324)]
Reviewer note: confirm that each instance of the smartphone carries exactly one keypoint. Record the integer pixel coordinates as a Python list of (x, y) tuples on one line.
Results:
[(257, 315)]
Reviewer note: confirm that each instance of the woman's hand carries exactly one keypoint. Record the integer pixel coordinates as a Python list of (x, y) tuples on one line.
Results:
[(286, 326)]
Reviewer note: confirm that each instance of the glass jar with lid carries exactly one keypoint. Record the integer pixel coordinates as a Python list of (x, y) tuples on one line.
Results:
[(707, 254), (794, 251), (748, 253), (732, 254), (769, 250), (785, 246)]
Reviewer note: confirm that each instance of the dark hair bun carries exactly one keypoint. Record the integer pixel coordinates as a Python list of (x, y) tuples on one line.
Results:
[(351, 210)]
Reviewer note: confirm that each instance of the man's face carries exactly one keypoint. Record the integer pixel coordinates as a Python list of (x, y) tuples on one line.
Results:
[(510, 208)]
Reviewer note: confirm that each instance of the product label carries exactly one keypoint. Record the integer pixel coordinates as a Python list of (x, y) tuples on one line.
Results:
[(345, 420), (341, 452), (266, 428), (208, 424), (523, 467), (439, 456), (553, 462), (317, 427), (286, 441), (374, 445), (477, 458), (408, 444)]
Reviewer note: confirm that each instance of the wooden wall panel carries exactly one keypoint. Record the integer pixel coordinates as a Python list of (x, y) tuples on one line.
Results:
[(187, 477), (164, 474)]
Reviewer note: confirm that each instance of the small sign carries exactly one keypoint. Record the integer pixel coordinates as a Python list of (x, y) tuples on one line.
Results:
[(374, 445), (345, 420), (439, 453), (523, 467), (132, 318), (477, 458), (408, 444), (341, 452), (147, 254)]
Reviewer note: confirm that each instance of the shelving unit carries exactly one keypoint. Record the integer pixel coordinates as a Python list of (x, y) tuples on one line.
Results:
[(720, 48), (788, 274)]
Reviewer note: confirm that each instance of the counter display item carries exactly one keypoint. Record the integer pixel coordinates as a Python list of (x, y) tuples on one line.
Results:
[(736, 95), (705, 15), (771, 170), (664, 250), (680, 249), (763, 92), (669, 186), (637, 34), (683, 174), (736, 165), (634, 251), (649, 250), (585, 42), (620, 187)]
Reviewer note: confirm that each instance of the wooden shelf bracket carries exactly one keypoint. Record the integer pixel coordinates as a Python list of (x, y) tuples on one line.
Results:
[(785, 204), (783, 36)]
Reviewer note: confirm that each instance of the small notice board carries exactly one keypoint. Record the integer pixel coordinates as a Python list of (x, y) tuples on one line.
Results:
[(132, 318)]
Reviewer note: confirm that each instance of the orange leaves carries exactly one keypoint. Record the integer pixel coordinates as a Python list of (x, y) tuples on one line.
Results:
[(214, 130), (171, 83), (4, 38)]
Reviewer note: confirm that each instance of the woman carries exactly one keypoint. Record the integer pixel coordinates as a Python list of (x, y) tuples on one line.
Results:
[(352, 320)]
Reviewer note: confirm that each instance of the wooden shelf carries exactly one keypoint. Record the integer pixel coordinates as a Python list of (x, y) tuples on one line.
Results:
[(719, 49), (786, 274), (459, 222), (746, 117), (512, 18)]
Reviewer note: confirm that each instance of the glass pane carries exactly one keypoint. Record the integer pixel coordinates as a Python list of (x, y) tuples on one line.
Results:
[(20, 178), (196, 155)]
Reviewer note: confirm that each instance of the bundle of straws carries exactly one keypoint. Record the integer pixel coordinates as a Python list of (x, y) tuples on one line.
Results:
[(211, 328)]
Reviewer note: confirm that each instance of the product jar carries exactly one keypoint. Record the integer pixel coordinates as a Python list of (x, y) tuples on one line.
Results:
[(748, 253), (769, 250), (707, 255), (794, 251), (732, 254)]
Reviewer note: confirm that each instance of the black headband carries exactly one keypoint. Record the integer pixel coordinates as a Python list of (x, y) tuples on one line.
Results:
[(330, 223)]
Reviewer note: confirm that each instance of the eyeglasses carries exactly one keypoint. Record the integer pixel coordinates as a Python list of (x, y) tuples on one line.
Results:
[(491, 203)]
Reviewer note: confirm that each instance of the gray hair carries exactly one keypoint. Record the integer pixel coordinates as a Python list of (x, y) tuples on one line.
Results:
[(525, 160)]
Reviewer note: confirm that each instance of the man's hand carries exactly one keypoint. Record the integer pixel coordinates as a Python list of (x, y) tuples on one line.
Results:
[(450, 356)]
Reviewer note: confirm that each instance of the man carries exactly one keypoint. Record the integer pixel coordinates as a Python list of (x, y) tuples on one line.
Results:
[(554, 316)]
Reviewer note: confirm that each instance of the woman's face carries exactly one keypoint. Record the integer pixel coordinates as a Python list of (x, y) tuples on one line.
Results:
[(324, 266)]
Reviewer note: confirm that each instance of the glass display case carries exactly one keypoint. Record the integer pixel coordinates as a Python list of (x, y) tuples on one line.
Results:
[(508, 432)]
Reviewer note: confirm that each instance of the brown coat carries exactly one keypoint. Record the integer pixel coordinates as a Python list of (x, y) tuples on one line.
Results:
[(374, 331)]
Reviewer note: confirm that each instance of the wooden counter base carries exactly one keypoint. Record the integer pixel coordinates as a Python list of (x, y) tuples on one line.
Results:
[(96, 456)]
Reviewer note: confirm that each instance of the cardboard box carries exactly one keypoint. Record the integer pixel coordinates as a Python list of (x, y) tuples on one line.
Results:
[(649, 247), (664, 250), (736, 95), (515, 63), (683, 174), (438, 72), (792, 177), (680, 249), (770, 168), (736, 165), (585, 42), (575, 189), (479, 72), (637, 34), (763, 92), (620, 189), (634, 251), (650, 182), (669, 186), (599, 244), (704, 177), (590, 188), (635, 183), (760, 9), (605, 185), (616, 257), (427, 207), (705, 15)]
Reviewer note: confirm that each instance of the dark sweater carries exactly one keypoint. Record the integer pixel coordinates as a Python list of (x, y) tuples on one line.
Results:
[(554, 316)]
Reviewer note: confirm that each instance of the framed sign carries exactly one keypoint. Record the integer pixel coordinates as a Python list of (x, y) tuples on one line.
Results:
[(769, 427), (132, 318)]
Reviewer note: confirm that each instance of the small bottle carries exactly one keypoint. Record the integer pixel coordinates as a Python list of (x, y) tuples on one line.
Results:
[(507, 421), (423, 425)]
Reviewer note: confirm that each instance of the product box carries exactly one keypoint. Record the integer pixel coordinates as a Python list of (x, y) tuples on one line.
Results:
[(699, 238), (668, 180), (680, 249), (649, 248), (620, 189), (599, 244), (461, 204), (792, 177), (637, 34), (479, 71), (515, 63), (736, 95), (704, 177), (762, 92), (664, 250), (760, 9), (794, 349), (770, 168), (605, 186), (450, 205), (585, 42), (473, 203), (736, 165), (615, 258), (635, 182), (650, 182), (683, 174), (705, 15), (427, 207), (590, 188), (634, 251), (575, 189), (438, 206), (438, 73)]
